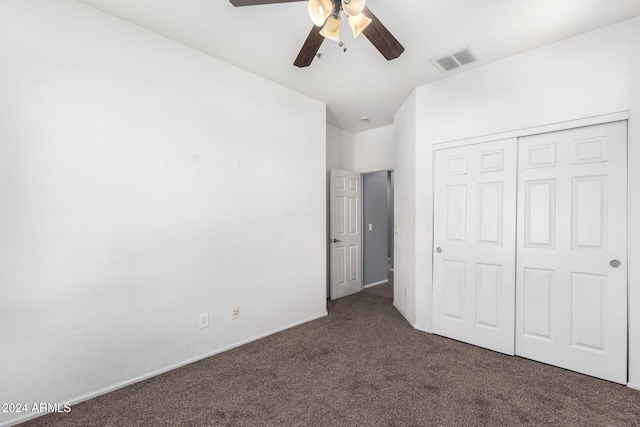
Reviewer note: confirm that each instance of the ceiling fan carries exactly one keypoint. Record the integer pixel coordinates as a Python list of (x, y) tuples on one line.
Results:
[(327, 15)]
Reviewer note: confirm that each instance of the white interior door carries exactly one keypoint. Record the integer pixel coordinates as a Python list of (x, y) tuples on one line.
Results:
[(572, 250), (345, 233), (474, 243)]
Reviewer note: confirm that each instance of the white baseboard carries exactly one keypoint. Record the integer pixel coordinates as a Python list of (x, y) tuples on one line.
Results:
[(114, 387), (423, 329), (634, 386), (411, 322), (382, 282)]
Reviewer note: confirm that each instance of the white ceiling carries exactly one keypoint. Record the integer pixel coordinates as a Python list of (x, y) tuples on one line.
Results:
[(265, 40)]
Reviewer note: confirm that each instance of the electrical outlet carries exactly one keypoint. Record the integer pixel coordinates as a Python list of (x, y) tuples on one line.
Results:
[(406, 292), (235, 312), (203, 320)]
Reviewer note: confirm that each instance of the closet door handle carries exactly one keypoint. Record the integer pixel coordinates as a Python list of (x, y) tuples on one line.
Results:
[(439, 249), (615, 263)]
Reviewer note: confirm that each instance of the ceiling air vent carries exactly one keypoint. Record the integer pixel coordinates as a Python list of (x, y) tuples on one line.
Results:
[(455, 59)]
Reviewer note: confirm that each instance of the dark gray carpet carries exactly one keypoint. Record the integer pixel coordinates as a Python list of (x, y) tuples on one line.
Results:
[(385, 290), (363, 365)]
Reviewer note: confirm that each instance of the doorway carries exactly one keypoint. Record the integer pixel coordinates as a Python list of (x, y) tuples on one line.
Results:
[(360, 238), (378, 233)]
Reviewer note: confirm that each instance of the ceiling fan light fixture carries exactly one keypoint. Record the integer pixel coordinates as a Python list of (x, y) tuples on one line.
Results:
[(331, 29), (319, 11), (358, 23), (353, 7)]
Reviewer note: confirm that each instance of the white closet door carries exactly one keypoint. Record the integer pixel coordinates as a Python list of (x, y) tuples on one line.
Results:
[(572, 250), (474, 242)]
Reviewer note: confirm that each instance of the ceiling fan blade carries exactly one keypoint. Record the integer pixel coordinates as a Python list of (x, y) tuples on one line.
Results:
[(382, 38), (309, 48), (238, 3)]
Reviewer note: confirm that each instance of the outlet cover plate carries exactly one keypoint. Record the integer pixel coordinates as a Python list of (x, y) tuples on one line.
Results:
[(203, 320)]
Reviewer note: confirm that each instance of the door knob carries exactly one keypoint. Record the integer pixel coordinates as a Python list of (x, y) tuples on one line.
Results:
[(335, 240), (439, 249), (615, 263)]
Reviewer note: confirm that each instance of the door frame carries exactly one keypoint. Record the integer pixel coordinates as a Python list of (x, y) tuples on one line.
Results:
[(363, 223), (329, 226), (535, 130)]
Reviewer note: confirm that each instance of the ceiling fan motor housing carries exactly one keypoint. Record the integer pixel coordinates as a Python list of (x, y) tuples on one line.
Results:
[(352, 7)]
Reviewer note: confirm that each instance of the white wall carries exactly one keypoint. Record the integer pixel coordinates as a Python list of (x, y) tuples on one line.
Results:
[(404, 200), (373, 150), (143, 183), (340, 149), (589, 75), (368, 151)]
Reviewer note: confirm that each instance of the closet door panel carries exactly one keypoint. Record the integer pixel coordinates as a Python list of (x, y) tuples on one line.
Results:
[(474, 244), (571, 306)]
